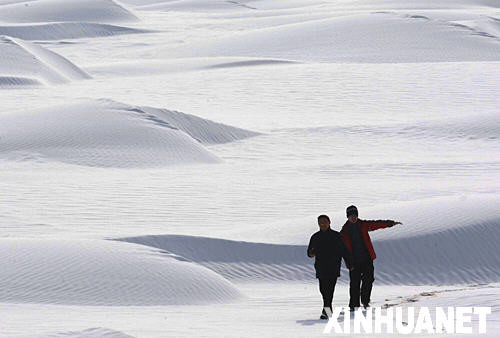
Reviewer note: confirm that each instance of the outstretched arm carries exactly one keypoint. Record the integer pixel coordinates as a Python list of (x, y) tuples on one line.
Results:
[(380, 224)]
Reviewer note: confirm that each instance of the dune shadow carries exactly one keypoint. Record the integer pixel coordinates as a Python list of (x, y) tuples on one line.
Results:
[(310, 322)]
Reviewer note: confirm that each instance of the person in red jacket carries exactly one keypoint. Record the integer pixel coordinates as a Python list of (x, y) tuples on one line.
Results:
[(358, 242)]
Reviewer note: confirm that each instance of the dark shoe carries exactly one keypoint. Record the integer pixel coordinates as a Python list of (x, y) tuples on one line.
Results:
[(351, 308), (366, 306), (323, 315)]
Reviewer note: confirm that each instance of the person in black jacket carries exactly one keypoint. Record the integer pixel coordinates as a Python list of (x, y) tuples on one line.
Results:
[(328, 248)]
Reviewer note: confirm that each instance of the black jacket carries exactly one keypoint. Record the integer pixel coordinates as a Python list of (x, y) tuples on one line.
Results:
[(328, 248)]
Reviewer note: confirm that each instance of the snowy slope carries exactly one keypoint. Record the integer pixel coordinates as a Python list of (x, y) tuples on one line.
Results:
[(65, 30), (456, 213), (70, 11), (374, 37), (422, 251), (110, 134), (103, 273), (35, 64)]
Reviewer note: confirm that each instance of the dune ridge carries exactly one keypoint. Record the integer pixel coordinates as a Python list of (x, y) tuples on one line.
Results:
[(66, 30), (35, 64), (105, 133)]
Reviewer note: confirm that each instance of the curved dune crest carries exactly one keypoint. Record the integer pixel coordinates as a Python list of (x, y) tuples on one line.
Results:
[(484, 26), (373, 38), (61, 10), (89, 272), (34, 64), (105, 133), (436, 245), (65, 30), (204, 131), (236, 260)]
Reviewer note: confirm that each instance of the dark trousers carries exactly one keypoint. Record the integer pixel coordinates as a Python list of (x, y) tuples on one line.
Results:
[(327, 287), (361, 283)]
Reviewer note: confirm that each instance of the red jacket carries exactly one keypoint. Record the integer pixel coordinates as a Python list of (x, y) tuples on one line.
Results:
[(364, 227)]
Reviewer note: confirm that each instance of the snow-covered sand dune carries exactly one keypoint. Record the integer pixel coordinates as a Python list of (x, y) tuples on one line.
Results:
[(375, 37), (65, 30), (61, 10), (106, 133), (202, 130), (236, 260), (436, 245), (485, 26), (95, 272), (23, 62)]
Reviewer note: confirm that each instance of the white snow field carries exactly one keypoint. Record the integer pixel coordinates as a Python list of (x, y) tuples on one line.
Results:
[(162, 163)]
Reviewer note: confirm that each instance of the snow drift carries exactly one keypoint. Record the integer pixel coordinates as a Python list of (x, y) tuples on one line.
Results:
[(88, 333), (105, 133), (485, 126), (65, 30), (90, 272), (153, 67), (69, 11), (374, 38), (436, 245), (23, 63)]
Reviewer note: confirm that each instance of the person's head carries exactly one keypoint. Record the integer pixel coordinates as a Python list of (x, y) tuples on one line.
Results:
[(352, 214), (323, 222)]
